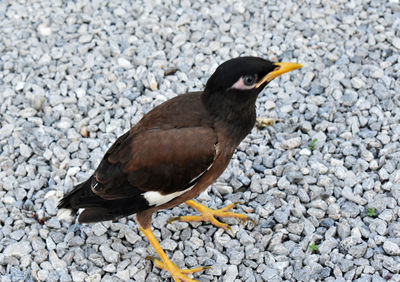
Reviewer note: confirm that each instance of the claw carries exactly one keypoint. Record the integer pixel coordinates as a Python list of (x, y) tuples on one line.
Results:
[(150, 258), (159, 264), (249, 219), (262, 122), (208, 214), (230, 229)]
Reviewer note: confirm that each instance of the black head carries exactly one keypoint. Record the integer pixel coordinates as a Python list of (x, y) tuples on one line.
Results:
[(245, 76), (232, 90)]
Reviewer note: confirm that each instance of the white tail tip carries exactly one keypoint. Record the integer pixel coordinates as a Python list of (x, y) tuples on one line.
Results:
[(65, 215)]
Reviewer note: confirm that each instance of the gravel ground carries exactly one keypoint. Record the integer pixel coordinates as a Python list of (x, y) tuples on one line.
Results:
[(75, 76)]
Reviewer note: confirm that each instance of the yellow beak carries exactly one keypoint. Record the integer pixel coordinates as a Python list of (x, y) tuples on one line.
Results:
[(280, 69)]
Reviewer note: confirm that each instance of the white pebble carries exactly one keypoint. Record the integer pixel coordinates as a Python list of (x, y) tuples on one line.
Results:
[(124, 63)]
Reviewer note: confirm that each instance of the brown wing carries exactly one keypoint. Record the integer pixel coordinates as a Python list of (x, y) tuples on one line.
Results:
[(163, 153)]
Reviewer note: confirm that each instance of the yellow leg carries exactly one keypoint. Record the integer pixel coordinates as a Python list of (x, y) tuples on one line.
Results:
[(158, 263), (176, 273), (208, 214)]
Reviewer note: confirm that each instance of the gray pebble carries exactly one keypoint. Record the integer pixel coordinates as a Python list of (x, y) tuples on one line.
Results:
[(270, 274), (327, 245), (391, 248), (17, 234), (109, 255), (358, 250), (169, 245), (245, 239), (230, 274), (99, 229), (18, 249), (25, 151), (56, 262), (282, 215), (327, 222), (291, 143)]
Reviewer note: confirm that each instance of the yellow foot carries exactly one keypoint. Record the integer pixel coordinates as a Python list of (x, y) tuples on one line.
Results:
[(208, 214), (263, 122), (176, 273), (180, 272)]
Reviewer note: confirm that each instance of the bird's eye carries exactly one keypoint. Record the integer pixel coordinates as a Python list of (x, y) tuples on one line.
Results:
[(249, 79)]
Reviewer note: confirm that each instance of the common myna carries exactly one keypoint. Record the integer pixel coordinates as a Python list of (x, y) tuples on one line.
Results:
[(176, 151)]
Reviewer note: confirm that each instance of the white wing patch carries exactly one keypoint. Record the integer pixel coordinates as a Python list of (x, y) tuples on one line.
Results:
[(65, 215), (157, 199)]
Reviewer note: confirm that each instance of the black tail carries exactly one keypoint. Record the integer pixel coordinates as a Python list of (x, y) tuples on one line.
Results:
[(97, 208), (81, 197)]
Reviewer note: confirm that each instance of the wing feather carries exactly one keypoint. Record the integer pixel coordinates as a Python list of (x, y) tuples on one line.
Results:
[(156, 156)]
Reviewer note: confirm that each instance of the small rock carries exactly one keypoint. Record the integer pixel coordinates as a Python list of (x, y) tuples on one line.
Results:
[(131, 236), (78, 275), (42, 274), (223, 189), (296, 228), (316, 212), (309, 228), (84, 131), (230, 274), (391, 248), (396, 42), (377, 73), (37, 102), (109, 268), (327, 245), (124, 63), (269, 105), (291, 143), (6, 130), (169, 244), (18, 249), (270, 274), (99, 229), (64, 123), (357, 83), (123, 274), (108, 254), (179, 40), (235, 256), (359, 250), (152, 82), (281, 215), (55, 261), (305, 152), (25, 151), (348, 194), (283, 183), (245, 239), (321, 168), (17, 234), (271, 181), (85, 38), (386, 215), (44, 30), (308, 77), (327, 222), (345, 265)]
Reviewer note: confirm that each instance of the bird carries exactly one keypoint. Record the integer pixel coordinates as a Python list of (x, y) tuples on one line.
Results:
[(175, 152)]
